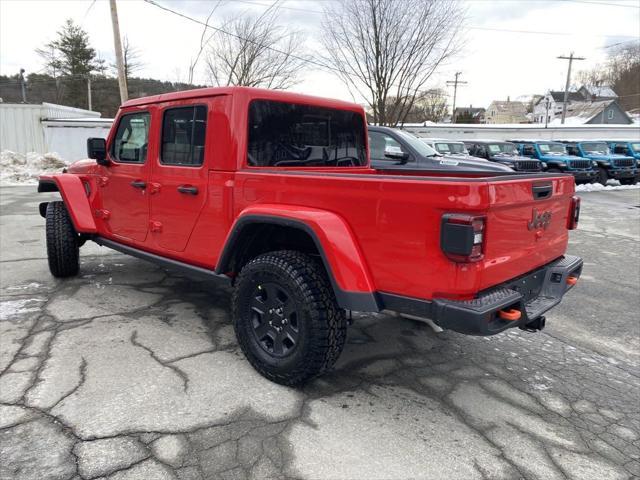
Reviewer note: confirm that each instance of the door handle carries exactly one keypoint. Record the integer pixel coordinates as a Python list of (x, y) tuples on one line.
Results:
[(139, 184), (188, 189)]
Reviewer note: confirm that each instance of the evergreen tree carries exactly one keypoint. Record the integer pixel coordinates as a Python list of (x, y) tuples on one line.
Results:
[(71, 57)]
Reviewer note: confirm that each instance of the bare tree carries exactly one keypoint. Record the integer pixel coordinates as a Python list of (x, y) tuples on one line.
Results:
[(255, 52), (384, 49), (131, 59), (205, 38)]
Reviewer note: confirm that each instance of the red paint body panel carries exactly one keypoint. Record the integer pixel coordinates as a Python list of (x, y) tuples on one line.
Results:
[(75, 197), (378, 232)]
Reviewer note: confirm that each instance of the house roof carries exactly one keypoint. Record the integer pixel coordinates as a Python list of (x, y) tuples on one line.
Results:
[(600, 91), (508, 107), (573, 96), (581, 112)]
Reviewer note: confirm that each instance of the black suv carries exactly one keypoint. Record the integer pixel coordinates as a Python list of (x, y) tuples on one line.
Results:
[(394, 149), (505, 153)]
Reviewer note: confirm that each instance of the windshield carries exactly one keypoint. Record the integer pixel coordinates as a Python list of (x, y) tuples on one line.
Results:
[(451, 147), (596, 147), (635, 147), (502, 148), (419, 146), (556, 148)]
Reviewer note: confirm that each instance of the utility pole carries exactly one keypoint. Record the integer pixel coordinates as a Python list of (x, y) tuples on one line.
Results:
[(23, 86), (122, 79), (571, 58), (455, 84), (546, 116), (89, 91)]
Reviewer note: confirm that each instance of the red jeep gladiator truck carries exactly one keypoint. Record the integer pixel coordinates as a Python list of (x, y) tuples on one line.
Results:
[(273, 192)]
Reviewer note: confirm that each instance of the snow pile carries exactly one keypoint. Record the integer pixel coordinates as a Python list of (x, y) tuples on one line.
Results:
[(596, 187), (18, 169)]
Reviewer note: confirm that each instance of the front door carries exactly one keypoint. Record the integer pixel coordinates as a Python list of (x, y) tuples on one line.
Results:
[(124, 194), (179, 176)]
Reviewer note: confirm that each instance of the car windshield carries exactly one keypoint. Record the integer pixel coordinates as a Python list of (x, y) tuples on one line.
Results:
[(502, 148), (596, 147), (635, 147), (451, 147), (556, 148), (419, 146)]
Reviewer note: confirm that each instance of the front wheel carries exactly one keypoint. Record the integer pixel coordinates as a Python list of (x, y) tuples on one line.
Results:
[(63, 246), (603, 176), (286, 317)]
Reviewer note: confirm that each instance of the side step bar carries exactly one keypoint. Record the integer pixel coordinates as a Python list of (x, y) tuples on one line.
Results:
[(181, 267)]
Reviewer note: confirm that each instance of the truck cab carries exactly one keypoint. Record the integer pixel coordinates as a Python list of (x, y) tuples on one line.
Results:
[(610, 165), (505, 153), (555, 159)]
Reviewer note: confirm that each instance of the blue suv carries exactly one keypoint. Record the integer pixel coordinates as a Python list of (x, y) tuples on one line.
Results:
[(610, 165), (555, 159)]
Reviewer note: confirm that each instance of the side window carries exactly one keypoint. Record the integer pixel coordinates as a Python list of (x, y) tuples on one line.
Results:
[(132, 137), (610, 114), (528, 151), (572, 150), (381, 143), (183, 135)]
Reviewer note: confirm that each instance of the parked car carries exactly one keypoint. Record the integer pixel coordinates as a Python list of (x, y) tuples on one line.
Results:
[(451, 148), (394, 149), (272, 192), (630, 148), (505, 153), (610, 165), (555, 159)]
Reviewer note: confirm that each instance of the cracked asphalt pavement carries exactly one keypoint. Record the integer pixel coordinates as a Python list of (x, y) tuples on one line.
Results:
[(132, 372)]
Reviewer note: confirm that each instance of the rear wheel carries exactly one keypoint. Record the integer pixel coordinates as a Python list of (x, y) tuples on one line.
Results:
[(286, 318), (63, 247), (603, 176)]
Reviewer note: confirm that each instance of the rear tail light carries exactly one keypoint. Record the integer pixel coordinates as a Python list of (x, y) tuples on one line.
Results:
[(462, 237), (574, 213)]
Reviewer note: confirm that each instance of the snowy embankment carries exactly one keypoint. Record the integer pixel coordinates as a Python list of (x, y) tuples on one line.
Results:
[(612, 185), (18, 169)]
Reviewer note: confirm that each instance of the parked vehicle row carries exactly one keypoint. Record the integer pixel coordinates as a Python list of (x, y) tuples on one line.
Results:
[(588, 161)]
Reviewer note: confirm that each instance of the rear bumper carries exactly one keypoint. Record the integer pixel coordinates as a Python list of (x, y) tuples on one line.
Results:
[(531, 294)]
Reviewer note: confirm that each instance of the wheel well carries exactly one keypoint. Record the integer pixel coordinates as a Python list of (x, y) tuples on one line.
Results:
[(258, 238), (47, 186)]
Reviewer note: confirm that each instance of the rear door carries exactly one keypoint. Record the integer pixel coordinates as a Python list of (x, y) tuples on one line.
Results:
[(178, 184), (123, 186)]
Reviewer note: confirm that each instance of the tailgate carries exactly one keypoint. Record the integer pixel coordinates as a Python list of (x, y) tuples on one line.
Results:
[(526, 226)]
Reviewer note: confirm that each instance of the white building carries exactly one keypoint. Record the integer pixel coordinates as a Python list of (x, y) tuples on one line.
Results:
[(49, 128)]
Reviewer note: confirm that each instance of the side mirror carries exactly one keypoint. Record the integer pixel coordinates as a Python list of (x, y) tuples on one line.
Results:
[(396, 153), (97, 150)]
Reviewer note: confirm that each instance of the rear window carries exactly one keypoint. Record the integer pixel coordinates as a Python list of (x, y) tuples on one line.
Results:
[(291, 135)]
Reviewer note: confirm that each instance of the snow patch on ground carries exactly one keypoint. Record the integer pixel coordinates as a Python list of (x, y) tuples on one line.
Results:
[(18, 169), (596, 187), (11, 308)]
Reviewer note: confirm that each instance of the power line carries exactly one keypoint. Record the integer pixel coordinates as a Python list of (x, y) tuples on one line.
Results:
[(587, 2), (455, 84), (297, 57)]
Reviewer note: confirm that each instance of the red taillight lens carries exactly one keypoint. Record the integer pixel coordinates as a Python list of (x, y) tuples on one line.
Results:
[(574, 213), (462, 237)]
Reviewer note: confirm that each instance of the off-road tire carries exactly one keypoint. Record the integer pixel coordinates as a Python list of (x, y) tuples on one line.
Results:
[(628, 181), (321, 323), (603, 176), (63, 250)]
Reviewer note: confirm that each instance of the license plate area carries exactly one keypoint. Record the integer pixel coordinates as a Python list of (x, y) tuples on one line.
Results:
[(529, 286)]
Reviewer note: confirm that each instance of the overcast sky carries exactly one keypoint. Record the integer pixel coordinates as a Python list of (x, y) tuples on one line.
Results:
[(496, 64)]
